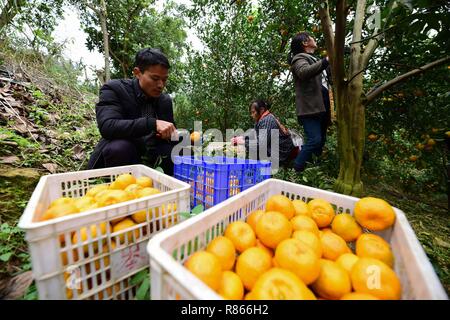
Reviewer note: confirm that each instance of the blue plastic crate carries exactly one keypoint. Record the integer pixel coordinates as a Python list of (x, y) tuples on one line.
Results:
[(215, 179)]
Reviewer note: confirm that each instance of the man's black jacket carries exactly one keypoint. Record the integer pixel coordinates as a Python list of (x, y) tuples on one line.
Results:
[(120, 115)]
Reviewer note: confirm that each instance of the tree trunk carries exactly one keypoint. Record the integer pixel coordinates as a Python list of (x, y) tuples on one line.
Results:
[(102, 17), (351, 137)]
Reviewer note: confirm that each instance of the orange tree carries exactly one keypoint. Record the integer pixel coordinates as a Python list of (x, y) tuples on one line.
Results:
[(369, 47), (244, 57), (406, 126)]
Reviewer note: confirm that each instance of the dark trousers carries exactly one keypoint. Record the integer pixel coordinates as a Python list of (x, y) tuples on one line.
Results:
[(124, 152), (315, 127)]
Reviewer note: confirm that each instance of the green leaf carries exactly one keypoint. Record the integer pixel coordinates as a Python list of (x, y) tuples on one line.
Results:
[(5, 257), (159, 169), (139, 277), (185, 214), (197, 209), (143, 289)]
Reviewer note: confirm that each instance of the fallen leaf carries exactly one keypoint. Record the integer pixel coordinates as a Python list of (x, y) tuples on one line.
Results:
[(16, 287), (9, 159), (78, 152), (50, 167)]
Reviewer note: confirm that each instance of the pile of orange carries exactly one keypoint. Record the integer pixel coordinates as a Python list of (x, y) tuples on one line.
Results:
[(297, 250), (84, 242)]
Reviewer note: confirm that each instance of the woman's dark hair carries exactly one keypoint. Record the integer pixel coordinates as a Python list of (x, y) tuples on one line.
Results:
[(297, 45), (149, 57), (259, 105)]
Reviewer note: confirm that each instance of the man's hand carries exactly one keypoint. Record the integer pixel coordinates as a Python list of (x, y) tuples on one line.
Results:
[(237, 140), (164, 129)]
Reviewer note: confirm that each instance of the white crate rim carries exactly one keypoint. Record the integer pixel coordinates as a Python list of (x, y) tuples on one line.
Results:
[(199, 289)]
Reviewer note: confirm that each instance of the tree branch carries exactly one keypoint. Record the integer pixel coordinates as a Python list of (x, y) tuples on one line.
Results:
[(375, 38), (375, 92), (92, 7), (9, 11), (327, 29), (357, 32), (339, 43)]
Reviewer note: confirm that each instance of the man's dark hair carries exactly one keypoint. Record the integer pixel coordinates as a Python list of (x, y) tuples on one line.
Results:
[(260, 104), (149, 57), (297, 45)]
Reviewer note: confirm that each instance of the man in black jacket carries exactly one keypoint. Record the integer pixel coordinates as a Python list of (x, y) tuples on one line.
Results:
[(135, 118)]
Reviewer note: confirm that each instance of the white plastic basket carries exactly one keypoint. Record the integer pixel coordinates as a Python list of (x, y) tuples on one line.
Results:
[(100, 267), (169, 250)]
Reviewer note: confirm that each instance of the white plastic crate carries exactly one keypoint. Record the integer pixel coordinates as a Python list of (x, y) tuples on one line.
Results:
[(101, 267), (170, 249)]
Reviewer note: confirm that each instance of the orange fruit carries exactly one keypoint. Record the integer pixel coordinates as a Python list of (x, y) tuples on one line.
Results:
[(61, 201), (298, 257), (347, 261), (96, 189), (168, 214), (248, 296), (224, 250), (374, 277), (98, 263), (231, 286), (333, 245), (110, 197), (304, 223), (275, 263), (322, 212), (281, 204), (122, 181), (374, 214), (59, 211), (345, 226), (280, 284), (272, 228), (195, 136), (205, 266), (333, 282), (147, 192), (358, 296), (241, 234), (126, 223), (310, 239), (301, 208), (254, 217), (85, 203), (144, 182), (373, 246), (65, 258), (252, 263), (95, 231), (259, 244), (139, 216), (132, 190)]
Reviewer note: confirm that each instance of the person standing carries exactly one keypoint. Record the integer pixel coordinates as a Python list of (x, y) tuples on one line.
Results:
[(311, 81)]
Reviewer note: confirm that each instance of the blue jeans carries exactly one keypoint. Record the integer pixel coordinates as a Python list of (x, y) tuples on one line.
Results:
[(315, 128)]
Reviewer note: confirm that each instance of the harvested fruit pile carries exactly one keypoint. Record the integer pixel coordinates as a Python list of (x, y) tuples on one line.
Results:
[(125, 188), (298, 250), (76, 245)]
